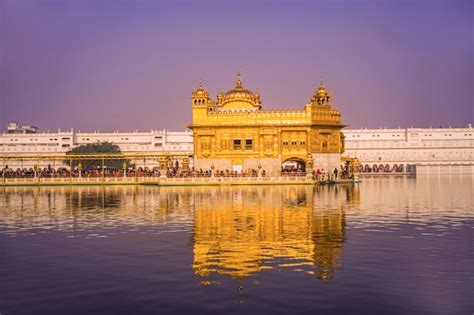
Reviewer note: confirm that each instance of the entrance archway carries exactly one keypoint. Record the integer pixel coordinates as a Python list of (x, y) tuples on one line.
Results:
[(293, 165)]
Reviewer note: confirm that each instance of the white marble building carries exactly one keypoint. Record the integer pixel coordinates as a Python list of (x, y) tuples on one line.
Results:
[(154, 141), (431, 150)]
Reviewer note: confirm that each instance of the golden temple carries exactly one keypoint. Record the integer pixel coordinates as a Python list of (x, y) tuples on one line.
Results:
[(236, 134)]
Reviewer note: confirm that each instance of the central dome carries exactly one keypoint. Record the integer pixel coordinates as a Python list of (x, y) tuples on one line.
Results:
[(239, 90), (239, 97)]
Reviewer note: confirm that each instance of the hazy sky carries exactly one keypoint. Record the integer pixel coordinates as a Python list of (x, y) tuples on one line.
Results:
[(131, 65)]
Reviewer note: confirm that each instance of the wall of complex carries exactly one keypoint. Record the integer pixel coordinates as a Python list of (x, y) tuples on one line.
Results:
[(155, 141), (413, 146), (428, 146)]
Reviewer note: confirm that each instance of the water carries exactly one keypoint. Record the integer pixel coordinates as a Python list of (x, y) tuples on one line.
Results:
[(385, 246)]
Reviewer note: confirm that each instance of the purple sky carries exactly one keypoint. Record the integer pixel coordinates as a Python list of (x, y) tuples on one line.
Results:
[(131, 65)]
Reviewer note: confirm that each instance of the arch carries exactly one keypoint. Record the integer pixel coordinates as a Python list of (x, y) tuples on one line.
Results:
[(400, 168), (293, 164), (395, 168), (375, 168)]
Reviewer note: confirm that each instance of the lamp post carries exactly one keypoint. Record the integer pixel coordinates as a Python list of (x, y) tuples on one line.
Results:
[(212, 170), (35, 169), (79, 169), (124, 168), (259, 169)]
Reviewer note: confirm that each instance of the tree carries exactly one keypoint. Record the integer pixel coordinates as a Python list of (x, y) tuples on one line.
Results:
[(96, 148)]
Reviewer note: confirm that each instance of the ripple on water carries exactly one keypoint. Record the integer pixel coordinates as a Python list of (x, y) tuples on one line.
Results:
[(398, 244)]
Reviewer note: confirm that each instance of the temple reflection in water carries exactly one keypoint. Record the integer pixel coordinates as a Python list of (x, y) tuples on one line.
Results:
[(242, 231), (236, 231)]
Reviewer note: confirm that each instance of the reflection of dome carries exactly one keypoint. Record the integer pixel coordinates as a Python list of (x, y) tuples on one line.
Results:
[(239, 97)]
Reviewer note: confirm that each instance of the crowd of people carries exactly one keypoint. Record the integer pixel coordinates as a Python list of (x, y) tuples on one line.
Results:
[(172, 172), (50, 172)]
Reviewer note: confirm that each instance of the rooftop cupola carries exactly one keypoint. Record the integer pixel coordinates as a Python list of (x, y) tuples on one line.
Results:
[(320, 96), (200, 92), (200, 97)]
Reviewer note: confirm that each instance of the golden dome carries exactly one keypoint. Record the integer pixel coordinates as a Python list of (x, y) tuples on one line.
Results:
[(239, 91), (239, 96), (320, 96), (321, 92), (200, 91)]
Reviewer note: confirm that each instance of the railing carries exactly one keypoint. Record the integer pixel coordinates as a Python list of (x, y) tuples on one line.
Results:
[(78, 180), (225, 179), (152, 179), (171, 180)]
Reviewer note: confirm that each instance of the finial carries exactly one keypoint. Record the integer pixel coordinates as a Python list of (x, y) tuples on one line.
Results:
[(200, 83), (321, 80), (239, 81)]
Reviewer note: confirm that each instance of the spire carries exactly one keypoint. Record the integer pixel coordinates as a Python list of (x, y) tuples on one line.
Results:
[(238, 85)]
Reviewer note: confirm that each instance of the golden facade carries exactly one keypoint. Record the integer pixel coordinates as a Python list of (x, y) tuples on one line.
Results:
[(235, 133)]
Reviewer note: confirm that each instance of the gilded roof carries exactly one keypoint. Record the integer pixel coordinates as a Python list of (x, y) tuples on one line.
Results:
[(239, 97)]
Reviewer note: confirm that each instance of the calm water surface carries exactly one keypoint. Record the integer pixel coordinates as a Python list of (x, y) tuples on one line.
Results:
[(385, 246)]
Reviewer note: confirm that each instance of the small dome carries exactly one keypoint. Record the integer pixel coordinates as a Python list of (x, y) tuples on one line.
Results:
[(321, 92), (200, 91), (320, 95)]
